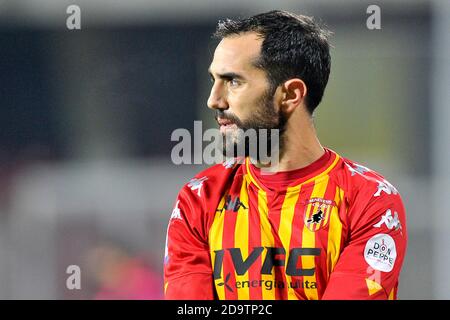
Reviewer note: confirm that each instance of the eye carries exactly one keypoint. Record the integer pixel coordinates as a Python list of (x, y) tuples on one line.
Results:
[(234, 82)]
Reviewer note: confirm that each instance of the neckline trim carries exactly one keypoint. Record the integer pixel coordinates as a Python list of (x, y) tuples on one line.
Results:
[(318, 174)]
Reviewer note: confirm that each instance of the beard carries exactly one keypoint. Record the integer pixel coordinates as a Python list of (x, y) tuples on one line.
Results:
[(260, 126)]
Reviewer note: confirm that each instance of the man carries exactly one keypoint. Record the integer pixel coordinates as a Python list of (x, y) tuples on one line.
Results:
[(321, 226)]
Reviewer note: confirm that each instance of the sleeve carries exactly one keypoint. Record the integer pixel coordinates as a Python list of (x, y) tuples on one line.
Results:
[(370, 263), (187, 266)]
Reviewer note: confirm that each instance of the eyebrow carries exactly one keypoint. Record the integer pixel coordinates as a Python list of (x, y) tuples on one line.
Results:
[(227, 75)]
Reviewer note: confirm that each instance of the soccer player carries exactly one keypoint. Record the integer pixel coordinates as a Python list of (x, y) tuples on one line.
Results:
[(321, 226)]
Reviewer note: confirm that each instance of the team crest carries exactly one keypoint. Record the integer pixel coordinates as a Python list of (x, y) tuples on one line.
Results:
[(317, 213)]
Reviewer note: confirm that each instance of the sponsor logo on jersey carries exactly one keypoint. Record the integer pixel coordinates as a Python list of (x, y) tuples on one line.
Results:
[(385, 186), (196, 184), (391, 222), (380, 252), (274, 257), (267, 284), (232, 204), (357, 168), (225, 283), (176, 213), (230, 162), (317, 212)]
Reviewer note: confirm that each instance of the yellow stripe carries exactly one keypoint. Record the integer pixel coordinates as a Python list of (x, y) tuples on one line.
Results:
[(334, 232), (215, 243), (285, 230), (241, 241), (391, 295), (327, 215), (309, 240), (373, 286), (266, 241), (165, 287), (249, 175)]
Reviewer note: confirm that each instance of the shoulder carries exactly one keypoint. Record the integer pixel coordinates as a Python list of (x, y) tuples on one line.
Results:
[(207, 186), (364, 185), (373, 205), (196, 203)]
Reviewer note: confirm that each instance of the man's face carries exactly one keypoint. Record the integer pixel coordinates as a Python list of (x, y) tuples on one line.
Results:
[(241, 93)]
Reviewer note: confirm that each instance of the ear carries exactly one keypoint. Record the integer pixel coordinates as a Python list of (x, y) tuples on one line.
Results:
[(293, 94)]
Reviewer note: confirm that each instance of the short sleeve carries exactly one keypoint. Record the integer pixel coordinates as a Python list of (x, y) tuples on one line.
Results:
[(369, 265), (187, 266)]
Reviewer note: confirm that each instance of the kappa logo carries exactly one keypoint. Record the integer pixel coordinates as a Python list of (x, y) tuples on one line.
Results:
[(232, 204), (197, 184), (317, 213), (391, 222), (229, 163), (176, 213), (385, 186), (358, 169)]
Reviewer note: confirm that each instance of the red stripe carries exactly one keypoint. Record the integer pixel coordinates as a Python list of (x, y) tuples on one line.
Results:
[(275, 204), (254, 234), (297, 232), (229, 228), (322, 241)]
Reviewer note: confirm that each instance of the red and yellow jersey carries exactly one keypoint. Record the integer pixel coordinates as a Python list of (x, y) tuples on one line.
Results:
[(337, 232)]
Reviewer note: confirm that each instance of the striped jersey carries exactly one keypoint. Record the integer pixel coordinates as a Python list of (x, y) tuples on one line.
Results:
[(332, 230)]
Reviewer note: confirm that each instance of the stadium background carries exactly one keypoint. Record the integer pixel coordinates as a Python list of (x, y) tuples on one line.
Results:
[(85, 121)]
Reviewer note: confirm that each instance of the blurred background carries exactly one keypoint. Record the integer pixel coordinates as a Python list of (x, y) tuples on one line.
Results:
[(86, 116)]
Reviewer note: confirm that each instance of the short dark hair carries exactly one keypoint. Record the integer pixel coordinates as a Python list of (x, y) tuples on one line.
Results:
[(294, 46)]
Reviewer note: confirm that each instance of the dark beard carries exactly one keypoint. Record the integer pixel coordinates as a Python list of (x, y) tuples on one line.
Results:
[(265, 117)]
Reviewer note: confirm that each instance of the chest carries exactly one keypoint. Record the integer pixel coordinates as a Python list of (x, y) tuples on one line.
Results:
[(305, 220)]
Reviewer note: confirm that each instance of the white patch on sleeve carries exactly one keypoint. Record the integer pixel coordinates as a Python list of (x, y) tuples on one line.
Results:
[(166, 248), (176, 213), (380, 252)]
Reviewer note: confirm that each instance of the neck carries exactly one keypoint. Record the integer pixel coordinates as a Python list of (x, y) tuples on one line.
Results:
[(301, 147)]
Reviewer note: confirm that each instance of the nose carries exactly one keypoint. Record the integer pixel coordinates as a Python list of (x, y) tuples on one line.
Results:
[(217, 98)]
